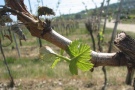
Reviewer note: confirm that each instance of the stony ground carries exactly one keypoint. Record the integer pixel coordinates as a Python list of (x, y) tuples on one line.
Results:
[(60, 84)]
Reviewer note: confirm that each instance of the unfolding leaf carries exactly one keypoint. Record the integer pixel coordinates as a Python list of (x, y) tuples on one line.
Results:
[(73, 67), (80, 56), (55, 62), (84, 66), (58, 59), (101, 35)]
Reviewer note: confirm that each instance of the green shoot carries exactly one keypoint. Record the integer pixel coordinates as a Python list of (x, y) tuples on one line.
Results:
[(79, 56)]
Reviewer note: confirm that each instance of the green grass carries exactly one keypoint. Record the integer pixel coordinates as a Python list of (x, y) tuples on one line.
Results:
[(32, 68)]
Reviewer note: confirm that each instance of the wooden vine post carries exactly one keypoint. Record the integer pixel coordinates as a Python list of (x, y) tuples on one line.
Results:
[(11, 84), (100, 46), (106, 16), (115, 26)]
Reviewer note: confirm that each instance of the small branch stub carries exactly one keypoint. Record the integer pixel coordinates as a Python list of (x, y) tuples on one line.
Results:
[(127, 45)]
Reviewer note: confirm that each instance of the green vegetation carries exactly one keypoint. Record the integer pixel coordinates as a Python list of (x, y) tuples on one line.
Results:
[(30, 68), (79, 56), (130, 19)]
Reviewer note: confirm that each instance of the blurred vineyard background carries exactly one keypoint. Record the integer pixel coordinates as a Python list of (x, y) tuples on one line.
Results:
[(30, 72)]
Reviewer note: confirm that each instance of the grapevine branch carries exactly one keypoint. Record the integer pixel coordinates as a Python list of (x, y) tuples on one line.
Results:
[(36, 26), (7, 67)]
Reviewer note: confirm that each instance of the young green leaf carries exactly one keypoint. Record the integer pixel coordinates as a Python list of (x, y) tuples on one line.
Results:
[(61, 52), (58, 59), (80, 57), (101, 36), (55, 62), (84, 66), (73, 67)]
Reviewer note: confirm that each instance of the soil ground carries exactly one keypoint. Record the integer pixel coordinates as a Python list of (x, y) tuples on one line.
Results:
[(60, 84)]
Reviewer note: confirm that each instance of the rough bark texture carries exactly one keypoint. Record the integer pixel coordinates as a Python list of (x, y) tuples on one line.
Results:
[(127, 45), (89, 26)]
